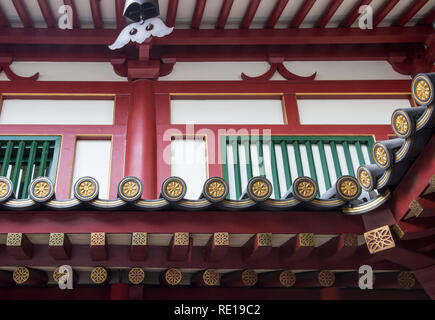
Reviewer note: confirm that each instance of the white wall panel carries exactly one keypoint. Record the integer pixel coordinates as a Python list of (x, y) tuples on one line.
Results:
[(349, 111), (227, 111), (92, 158), (68, 112)]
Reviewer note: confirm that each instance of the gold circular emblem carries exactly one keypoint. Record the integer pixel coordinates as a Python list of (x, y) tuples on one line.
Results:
[(130, 188), (306, 188), (260, 188), (57, 274), (249, 277), (41, 189), (4, 188), (364, 178), (326, 278), (173, 276), (174, 188), (349, 188), (86, 188), (287, 278), (136, 275), (21, 275), (216, 189), (381, 156), (406, 279), (98, 275), (422, 90), (210, 277), (401, 124)]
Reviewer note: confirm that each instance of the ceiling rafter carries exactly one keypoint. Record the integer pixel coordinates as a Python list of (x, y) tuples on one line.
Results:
[(198, 13), (120, 19), (354, 14), (276, 13), (47, 13), (71, 3), (3, 20), (328, 13), (250, 14), (97, 18), (410, 12), (429, 18), (172, 12), (22, 13), (224, 13), (384, 11), (302, 13)]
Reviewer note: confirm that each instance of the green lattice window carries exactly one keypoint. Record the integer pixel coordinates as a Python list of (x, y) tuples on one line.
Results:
[(24, 158), (323, 158)]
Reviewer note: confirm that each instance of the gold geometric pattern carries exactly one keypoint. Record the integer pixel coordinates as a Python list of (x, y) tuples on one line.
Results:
[(431, 188), (86, 188), (326, 278), (136, 275), (99, 275), (98, 238), (4, 188), (287, 278), (41, 189), (216, 189), (401, 124), (57, 274), (130, 188), (249, 277), (422, 90), (350, 239), (415, 209), (21, 275), (181, 238), (14, 239), (306, 188), (379, 239), (260, 188), (364, 178), (381, 156), (349, 188), (56, 239), (174, 188), (399, 232), (306, 239), (210, 277), (173, 276), (406, 280), (221, 239), (139, 239), (264, 239)]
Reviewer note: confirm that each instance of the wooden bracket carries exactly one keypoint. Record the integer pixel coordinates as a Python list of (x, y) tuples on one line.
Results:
[(5, 65)]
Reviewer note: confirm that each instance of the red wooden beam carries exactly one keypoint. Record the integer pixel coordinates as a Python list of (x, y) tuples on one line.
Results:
[(138, 246), (384, 11), (205, 278), (323, 278), (276, 13), (302, 13), (172, 13), (98, 246), (224, 13), (47, 13), (406, 258), (421, 208), (19, 246), (410, 12), (249, 14), (96, 13), (6, 279), (198, 13), (329, 12), (71, 3), (354, 13), (426, 277), (120, 19), (217, 247), (258, 247), (339, 248), (245, 278), (284, 278), (395, 280), (179, 246), (4, 23), (297, 248), (429, 18), (59, 246), (22, 13)]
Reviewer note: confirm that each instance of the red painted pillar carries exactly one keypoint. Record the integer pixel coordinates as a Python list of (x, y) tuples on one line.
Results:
[(330, 294), (119, 291), (140, 156)]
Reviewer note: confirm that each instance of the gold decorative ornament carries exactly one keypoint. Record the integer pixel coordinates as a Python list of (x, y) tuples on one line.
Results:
[(221, 239), (364, 178), (305, 188), (287, 278), (216, 189), (379, 239), (401, 124), (264, 239), (249, 278), (41, 189), (415, 209), (399, 232), (98, 239), (210, 277), (136, 275), (381, 156), (4, 188), (406, 280), (14, 239), (306, 239), (173, 276), (349, 188), (56, 239), (130, 188), (99, 275), (174, 188), (57, 274), (326, 278), (181, 238), (86, 188), (21, 275), (260, 188), (422, 90), (350, 240), (139, 239)]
